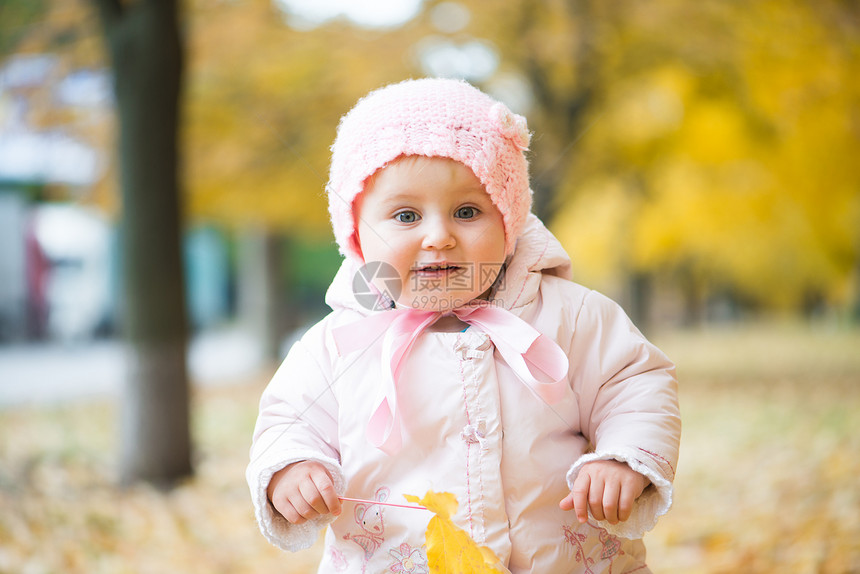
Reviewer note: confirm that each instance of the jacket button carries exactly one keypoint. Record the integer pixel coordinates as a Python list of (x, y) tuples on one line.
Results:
[(476, 433)]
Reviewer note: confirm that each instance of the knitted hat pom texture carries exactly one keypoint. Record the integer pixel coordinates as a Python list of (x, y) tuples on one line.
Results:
[(434, 118)]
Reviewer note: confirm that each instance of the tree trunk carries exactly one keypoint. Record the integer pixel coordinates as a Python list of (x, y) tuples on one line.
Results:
[(260, 290), (641, 300), (855, 303), (563, 121), (694, 300), (146, 50)]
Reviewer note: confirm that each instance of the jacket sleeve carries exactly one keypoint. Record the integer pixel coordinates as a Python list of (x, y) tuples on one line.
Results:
[(297, 421), (628, 401)]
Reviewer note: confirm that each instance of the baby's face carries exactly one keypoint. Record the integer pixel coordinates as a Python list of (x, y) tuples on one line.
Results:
[(431, 220)]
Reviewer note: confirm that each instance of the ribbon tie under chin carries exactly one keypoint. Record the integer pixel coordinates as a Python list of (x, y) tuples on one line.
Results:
[(535, 358)]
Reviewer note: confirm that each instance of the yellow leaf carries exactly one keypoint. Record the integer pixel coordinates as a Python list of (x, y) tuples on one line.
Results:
[(449, 549), (442, 504)]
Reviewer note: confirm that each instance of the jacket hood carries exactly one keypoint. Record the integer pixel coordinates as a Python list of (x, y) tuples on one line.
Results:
[(537, 252)]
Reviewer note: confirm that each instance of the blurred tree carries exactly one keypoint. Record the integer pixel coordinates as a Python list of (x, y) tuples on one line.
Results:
[(570, 55), (555, 48), (145, 48), (63, 36), (17, 17), (725, 161), (146, 51), (719, 154)]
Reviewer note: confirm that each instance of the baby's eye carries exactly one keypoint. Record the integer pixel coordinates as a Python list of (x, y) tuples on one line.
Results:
[(467, 212), (406, 217)]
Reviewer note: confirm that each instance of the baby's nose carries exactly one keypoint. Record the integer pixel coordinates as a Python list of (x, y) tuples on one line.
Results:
[(438, 235)]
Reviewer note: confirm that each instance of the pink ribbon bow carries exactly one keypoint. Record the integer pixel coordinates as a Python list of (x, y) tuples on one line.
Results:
[(535, 358)]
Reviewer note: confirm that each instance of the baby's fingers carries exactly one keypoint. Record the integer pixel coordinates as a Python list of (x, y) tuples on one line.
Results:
[(611, 494), (289, 511), (302, 491), (626, 501), (596, 497), (310, 495), (328, 500), (580, 496)]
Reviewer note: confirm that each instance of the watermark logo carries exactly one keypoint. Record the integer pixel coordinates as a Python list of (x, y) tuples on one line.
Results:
[(376, 285), (464, 279), (493, 273)]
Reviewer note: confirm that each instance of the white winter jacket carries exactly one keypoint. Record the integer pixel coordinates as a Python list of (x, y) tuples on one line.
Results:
[(472, 428)]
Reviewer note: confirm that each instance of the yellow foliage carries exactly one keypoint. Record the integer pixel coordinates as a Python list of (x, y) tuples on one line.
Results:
[(714, 133), (708, 137), (450, 550), (738, 165), (593, 228), (648, 107)]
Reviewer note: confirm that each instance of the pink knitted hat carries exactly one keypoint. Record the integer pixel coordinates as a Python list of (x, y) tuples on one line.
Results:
[(433, 118)]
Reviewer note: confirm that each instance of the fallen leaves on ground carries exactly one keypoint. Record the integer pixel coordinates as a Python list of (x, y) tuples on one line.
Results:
[(61, 511), (767, 480)]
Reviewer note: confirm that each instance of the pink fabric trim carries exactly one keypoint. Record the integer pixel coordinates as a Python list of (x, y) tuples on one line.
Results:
[(468, 451), (535, 358), (660, 458)]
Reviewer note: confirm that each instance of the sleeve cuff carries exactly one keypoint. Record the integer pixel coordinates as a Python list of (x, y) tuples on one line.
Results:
[(653, 503)]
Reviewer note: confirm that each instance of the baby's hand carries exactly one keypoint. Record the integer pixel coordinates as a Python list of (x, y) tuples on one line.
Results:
[(303, 490), (608, 487)]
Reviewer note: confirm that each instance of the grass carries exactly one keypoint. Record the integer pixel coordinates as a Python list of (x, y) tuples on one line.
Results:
[(767, 482)]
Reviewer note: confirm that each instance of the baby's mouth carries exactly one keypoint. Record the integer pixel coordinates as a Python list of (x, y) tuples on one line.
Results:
[(436, 269)]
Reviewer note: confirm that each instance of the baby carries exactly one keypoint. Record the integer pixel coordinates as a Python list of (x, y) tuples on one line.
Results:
[(460, 357)]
